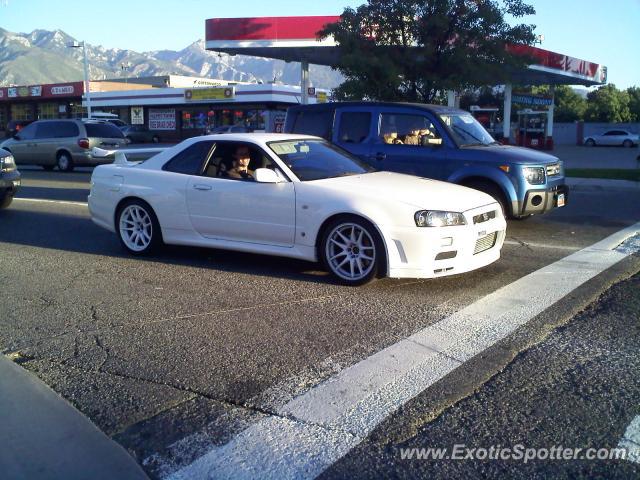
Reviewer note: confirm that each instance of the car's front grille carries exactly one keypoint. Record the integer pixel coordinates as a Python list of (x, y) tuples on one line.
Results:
[(484, 217), (485, 243), (553, 169)]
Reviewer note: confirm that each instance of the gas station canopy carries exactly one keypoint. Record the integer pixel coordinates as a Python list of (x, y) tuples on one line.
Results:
[(294, 39)]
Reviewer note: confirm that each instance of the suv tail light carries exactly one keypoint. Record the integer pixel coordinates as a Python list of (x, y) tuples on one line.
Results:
[(83, 142)]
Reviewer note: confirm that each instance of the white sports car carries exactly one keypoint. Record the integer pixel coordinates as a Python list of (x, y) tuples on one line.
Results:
[(300, 197)]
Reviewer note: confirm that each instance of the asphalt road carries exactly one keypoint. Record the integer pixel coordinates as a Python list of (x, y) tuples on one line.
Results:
[(181, 351)]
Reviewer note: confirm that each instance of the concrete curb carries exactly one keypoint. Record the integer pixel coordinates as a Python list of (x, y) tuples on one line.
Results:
[(585, 184), (43, 436)]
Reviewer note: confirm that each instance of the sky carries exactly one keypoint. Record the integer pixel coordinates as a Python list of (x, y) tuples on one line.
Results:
[(604, 32)]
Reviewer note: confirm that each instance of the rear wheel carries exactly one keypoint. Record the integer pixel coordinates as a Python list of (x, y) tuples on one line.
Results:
[(64, 162), (138, 227), (351, 249), (627, 143)]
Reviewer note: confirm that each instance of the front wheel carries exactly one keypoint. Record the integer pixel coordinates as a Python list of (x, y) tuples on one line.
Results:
[(138, 228), (590, 142), (5, 200), (351, 249)]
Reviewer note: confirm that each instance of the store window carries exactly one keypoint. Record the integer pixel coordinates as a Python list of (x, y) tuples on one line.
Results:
[(47, 111), (3, 119), (21, 111), (78, 111)]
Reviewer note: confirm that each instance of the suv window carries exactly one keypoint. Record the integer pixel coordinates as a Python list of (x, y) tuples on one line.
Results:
[(354, 127), (316, 123), (190, 160), (406, 129), (103, 130)]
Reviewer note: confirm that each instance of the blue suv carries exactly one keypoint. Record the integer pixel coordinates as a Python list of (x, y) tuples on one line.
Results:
[(438, 142)]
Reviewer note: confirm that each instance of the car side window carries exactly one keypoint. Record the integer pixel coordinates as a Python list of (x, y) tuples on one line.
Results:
[(66, 130), (28, 132), (45, 130), (190, 160), (354, 127), (406, 129), (317, 123), (221, 161)]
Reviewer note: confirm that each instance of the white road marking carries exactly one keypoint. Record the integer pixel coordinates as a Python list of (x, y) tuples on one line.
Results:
[(314, 430), (631, 441), (44, 200)]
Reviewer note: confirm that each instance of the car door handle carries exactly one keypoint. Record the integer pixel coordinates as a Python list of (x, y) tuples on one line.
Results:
[(202, 187), (380, 156)]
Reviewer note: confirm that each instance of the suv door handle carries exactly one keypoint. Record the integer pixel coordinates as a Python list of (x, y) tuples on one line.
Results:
[(202, 187)]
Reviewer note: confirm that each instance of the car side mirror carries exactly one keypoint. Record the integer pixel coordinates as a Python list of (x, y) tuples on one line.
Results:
[(266, 175)]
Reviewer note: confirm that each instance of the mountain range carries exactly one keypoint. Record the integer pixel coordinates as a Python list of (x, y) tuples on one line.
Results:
[(44, 56)]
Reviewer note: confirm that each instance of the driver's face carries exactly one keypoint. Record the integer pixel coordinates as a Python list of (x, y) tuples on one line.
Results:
[(242, 157)]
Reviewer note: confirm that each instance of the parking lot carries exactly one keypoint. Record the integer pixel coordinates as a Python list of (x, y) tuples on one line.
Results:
[(177, 355)]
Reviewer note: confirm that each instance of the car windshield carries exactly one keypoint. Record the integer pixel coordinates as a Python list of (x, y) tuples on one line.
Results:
[(317, 159), (466, 130)]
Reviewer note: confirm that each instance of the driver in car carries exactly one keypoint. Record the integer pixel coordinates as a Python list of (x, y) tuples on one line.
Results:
[(240, 168)]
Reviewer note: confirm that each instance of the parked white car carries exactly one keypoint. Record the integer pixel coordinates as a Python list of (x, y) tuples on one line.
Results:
[(622, 138), (303, 198)]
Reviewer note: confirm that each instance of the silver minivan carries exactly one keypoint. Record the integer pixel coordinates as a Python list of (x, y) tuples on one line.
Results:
[(64, 143)]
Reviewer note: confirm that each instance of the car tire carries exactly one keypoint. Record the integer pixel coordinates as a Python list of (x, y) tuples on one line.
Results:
[(155, 139), (590, 142), (5, 200), (627, 143), (64, 162), (352, 251), (138, 227)]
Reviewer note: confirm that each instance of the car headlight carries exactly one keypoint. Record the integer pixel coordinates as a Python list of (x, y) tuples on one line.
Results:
[(436, 218), (7, 164), (534, 175)]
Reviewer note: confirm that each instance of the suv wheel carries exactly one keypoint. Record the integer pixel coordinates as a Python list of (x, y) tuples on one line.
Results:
[(64, 162), (493, 190)]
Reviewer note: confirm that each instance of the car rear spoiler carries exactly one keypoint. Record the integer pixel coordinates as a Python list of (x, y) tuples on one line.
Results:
[(120, 156)]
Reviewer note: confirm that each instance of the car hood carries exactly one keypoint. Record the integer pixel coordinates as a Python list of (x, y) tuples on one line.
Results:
[(512, 154), (416, 191)]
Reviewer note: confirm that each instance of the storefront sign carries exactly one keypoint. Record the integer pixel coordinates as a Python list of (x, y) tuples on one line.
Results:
[(36, 91), (214, 94), (162, 119), (64, 90), (533, 100), (322, 97), (12, 92), (137, 116), (23, 91)]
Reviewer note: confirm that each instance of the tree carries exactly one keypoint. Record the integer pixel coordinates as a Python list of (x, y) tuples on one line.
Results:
[(415, 50), (570, 106), (608, 104), (634, 103)]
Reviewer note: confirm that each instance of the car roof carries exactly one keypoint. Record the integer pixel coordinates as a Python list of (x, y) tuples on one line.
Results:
[(258, 137), (438, 109)]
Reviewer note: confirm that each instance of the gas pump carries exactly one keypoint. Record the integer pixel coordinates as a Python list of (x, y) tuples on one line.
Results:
[(532, 128), (488, 118)]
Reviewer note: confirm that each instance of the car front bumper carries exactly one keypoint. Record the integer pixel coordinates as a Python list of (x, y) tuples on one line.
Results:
[(545, 200), (10, 182), (430, 252)]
